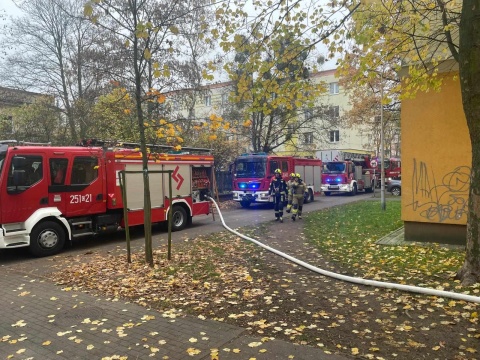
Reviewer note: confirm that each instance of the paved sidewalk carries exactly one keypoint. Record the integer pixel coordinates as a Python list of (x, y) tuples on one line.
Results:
[(39, 320)]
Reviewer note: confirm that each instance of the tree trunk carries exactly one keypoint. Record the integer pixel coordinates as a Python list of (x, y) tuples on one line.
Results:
[(66, 100), (469, 61), (147, 205)]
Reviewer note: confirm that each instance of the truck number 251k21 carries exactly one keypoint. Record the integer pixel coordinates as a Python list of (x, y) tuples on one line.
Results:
[(77, 199)]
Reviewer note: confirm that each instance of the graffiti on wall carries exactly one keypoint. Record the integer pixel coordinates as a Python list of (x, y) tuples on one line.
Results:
[(440, 199)]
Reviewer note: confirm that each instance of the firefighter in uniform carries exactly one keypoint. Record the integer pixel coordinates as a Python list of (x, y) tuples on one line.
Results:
[(290, 183), (299, 189), (278, 189)]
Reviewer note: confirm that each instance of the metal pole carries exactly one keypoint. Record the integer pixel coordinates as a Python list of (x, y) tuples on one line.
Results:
[(123, 187), (382, 148), (170, 213)]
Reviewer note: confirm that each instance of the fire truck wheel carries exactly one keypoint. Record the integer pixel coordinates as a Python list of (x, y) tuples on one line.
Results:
[(179, 218), (309, 197), (354, 190), (46, 238), (396, 191)]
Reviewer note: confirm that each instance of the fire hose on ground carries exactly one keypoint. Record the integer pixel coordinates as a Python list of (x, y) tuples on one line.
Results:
[(351, 279)]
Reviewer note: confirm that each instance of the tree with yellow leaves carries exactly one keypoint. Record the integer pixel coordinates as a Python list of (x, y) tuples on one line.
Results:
[(425, 36), (148, 31), (273, 89), (216, 135), (275, 54)]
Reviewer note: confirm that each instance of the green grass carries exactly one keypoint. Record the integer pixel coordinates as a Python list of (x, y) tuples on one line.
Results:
[(347, 235)]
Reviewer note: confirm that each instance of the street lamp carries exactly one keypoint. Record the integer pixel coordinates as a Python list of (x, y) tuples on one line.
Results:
[(382, 30), (382, 148)]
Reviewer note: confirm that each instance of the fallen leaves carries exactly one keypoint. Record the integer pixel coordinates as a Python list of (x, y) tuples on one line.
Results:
[(20, 323), (225, 279), (193, 351)]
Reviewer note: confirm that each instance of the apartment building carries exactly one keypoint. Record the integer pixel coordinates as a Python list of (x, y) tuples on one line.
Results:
[(10, 99), (325, 131)]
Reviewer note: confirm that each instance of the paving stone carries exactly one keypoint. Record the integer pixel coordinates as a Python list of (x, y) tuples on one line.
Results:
[(59, 324)]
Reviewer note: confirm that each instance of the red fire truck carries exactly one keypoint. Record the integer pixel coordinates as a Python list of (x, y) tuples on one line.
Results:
[(392, 166), (51, 195), (253, 173), (346, 171), (346, 177)]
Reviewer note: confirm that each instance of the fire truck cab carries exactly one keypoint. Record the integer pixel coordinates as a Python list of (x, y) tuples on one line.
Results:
[(253, 173), (50, 195)]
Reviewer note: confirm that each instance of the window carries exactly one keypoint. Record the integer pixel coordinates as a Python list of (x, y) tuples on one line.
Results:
[(334, 88), (308, 115), (58, 171), (84, 170), (176, 105), (25, 171), (334, 135), (308, 138), (224, 99), (278, 164), (334, 112), (208, 100)]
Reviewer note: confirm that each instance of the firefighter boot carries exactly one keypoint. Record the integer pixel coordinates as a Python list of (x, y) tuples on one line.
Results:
[(294, 212), (289, 206)]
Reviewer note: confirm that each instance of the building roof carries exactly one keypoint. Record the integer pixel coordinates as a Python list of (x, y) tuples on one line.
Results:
[(16, 97)]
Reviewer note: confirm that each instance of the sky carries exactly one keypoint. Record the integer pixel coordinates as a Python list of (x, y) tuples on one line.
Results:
[(9, 7)]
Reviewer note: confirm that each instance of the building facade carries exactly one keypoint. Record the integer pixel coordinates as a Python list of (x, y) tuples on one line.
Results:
[(436, 164), (9, 100), (321, 133)]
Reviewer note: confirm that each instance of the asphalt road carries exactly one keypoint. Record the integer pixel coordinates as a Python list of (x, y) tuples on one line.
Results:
[(202, 225)]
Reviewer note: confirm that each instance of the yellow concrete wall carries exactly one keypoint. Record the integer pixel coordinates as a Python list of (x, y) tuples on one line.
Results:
[(436, 157)]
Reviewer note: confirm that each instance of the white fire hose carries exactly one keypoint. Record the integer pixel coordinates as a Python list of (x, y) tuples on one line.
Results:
[(387, 285)]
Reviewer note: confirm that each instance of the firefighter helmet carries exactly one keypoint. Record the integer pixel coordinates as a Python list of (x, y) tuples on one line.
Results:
[(292, 175), (278, 171), (297, 175)]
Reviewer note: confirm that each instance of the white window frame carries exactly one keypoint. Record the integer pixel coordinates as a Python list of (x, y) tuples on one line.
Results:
[(334, 111), (208, 100), (334, 88), (308, 115), (334, 136), (224, 99), (308, 137)]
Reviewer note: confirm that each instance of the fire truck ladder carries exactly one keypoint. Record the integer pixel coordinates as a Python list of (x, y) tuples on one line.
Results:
[(132, 145), (24, 143)]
